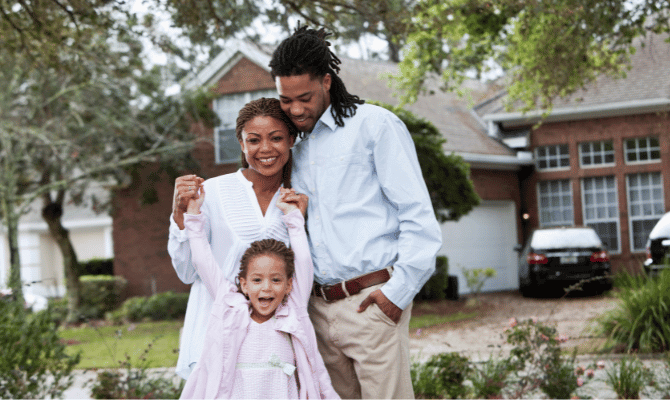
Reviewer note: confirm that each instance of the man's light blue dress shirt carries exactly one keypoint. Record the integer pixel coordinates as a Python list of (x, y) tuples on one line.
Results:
[(368, 203)]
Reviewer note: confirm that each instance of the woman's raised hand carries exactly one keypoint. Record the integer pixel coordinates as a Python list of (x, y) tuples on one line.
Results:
[(185, 189), (195, 204), (289, 200)]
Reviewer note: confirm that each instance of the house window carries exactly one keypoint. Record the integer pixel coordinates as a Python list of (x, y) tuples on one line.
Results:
[(642, 150), (227, 148), (555, 203), (553, 157), (645, 206), (601, 209), (596, 154)]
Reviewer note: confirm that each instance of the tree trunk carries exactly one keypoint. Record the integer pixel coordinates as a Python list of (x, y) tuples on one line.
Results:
[(12, 223), (394, 51), (52, 214)]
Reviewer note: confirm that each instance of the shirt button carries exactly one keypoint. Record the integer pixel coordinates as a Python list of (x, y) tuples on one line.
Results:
[(317, 217), (312, 162), (317, 245)]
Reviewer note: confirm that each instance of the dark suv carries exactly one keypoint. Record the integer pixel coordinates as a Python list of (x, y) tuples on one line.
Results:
[(560, 257), (658, 247)]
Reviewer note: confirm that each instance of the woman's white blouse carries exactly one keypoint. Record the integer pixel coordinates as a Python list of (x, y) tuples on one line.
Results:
[(233, 220)]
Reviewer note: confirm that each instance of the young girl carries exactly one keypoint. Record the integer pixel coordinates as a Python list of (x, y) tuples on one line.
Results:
[(259, 341)]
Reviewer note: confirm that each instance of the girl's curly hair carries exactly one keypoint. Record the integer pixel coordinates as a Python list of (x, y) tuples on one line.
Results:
[(270, 247)]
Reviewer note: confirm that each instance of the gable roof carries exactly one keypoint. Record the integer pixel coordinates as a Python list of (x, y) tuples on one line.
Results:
[(465, 132), (645, 89), (224, 61)]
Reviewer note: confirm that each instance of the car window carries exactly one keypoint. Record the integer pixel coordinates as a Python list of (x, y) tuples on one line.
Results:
[(662, 228), (565, 237)]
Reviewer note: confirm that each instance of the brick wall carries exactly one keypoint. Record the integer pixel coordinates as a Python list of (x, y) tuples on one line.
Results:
[(245, 76), (499, 185), (617, 129)]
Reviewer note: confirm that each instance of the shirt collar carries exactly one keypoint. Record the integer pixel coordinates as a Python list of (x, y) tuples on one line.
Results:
[(326, 119)]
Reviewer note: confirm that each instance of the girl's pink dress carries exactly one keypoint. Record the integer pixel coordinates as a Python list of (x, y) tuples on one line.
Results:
[(266, 364), (230, 326)]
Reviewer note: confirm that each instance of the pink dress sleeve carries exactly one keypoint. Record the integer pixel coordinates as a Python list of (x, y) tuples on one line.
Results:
[(303, 277), (202, 257)]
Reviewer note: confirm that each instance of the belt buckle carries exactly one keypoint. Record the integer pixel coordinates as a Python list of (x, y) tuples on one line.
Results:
[(323, 293)]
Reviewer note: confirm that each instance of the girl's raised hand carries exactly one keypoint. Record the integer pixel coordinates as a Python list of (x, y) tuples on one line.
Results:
[(195, 204), (289, 200)]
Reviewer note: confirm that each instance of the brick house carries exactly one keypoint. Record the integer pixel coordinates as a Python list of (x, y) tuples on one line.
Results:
[(601, 156), (484, 238)]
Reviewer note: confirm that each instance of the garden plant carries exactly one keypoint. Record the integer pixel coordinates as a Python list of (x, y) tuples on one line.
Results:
[(33, 361), (642, 321), (136, 381)]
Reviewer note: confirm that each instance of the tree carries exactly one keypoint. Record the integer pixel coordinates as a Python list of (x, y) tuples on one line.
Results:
[(41, 30), (349, 19), (97, 117), (451, 201), (546, 48)]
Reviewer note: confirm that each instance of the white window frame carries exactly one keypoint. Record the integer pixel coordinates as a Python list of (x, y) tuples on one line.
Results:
[(226, 108), (560, 208), (611, 208), (547, 158), (647, 149), (592, 153), (652, 208)]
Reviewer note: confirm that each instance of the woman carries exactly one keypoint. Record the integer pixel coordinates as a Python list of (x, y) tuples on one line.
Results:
[(239, 209)]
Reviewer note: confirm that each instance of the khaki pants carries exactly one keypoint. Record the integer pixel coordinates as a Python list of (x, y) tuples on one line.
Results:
[(366, 354)]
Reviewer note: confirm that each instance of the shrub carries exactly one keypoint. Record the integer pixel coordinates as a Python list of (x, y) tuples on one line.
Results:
[(629, 377), (490, 378), (97, 266), (136, 382), (641, 321), (57, 310), (33, 362), (536, 357), (100, 294), (441, 376), (161, 306), (436, 287), (476, 277), (626, 280)]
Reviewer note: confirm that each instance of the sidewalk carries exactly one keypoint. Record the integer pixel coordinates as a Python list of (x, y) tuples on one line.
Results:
[(80, 389)]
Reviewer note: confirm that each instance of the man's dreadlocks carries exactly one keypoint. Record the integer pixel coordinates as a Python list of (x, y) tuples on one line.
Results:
[(307, 52)]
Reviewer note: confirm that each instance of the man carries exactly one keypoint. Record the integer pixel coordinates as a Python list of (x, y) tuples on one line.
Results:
[(372, 229)]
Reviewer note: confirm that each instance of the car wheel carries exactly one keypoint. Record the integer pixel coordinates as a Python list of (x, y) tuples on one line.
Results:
[(528, 290)]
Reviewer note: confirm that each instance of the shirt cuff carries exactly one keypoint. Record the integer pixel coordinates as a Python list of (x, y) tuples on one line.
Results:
[(195, 225), (294, 219), (177, 233), (398, 293)]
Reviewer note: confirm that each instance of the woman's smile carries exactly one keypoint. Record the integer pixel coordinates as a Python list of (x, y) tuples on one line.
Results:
[(266, 145)]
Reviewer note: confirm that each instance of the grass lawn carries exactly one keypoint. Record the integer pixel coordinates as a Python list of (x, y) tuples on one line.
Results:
[(105, 346), (428, 320)]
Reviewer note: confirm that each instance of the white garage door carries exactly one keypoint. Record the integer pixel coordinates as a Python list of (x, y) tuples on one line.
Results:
[(485, 238)]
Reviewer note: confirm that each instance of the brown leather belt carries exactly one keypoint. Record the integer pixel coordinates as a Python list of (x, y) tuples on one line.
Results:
[(351, 287)]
